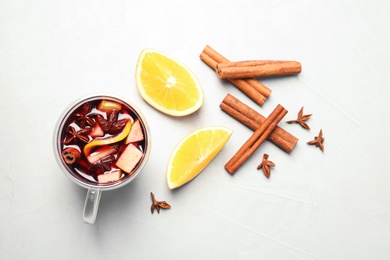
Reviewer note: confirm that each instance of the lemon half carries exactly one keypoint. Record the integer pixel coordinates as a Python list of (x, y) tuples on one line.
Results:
[(167, 84)]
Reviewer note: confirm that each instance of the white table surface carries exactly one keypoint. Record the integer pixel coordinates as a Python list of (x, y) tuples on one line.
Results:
[(331, 205)]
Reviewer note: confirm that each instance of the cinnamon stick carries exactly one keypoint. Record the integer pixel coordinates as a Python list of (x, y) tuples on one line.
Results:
[(252, 119), (256, 139), (251, 87), (257, 68)]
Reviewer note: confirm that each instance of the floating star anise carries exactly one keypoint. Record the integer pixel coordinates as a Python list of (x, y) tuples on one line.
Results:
[(158, 204), (83, 118), (72, 134), (301, 118), (104, 164), (318, 141), (111, 125), (265, 165)]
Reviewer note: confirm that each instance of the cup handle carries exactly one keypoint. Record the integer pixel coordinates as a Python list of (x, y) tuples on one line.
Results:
[(91, 206)]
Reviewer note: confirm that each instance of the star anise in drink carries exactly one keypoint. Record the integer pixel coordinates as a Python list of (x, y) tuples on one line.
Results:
[(104, 164), (112, 125), (158, 204), (301, 119), (318, 141), (265, 165), (83, 118), (73, 134)]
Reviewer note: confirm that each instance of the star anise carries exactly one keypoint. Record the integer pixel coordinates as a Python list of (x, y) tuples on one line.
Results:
[(158, 204), (83, 118), (301, 118), (72, 134), (104, 164), (265, 165), (318, 141), (111, 125)]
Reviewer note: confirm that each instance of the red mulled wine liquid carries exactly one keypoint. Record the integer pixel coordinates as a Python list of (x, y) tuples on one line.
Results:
[(103, 141)]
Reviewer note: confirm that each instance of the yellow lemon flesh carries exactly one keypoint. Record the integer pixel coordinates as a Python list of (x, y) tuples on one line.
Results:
[(193, 153), (166, 84)]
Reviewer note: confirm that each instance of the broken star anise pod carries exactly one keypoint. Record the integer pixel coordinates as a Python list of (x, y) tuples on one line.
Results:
[(158, 204), (301, 119), (83, 118), (111, 125), (72, 134), (318, 141), (265, 165)]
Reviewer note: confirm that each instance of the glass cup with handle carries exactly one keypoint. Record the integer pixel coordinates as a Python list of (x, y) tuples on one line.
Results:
[(101, 142)]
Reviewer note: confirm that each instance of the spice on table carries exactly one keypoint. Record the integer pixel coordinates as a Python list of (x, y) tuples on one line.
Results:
[(266, 165), (257, 68), (256, 139), (318, 141), (253, 88), (158, 204), (252, 119), (301, 119)]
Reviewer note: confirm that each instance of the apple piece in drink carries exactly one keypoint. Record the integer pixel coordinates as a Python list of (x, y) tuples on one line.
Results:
[(129, 158), (136, 133)]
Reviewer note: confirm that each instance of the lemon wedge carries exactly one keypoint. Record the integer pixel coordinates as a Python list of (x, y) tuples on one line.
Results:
[(167, 84), (194, 152)]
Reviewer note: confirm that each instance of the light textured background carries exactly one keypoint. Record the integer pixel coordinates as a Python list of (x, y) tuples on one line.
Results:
[(332, 205)]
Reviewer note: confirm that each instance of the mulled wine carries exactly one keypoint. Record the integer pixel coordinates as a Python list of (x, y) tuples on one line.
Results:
[(102, 140)]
